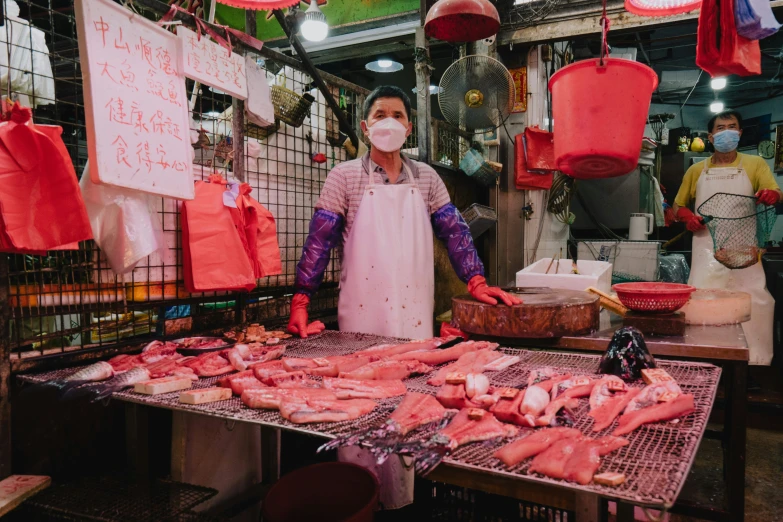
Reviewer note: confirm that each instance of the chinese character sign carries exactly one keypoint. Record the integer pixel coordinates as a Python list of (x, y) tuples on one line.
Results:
[(211, 64), (520, 86), (137, 111)]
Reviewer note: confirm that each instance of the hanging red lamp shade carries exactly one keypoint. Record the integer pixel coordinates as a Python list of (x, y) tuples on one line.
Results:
[(260, 5), (462, 20), (661, 7)]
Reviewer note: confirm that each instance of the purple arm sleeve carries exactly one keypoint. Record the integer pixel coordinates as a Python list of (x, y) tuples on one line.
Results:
[(450, 228), (325, 231)]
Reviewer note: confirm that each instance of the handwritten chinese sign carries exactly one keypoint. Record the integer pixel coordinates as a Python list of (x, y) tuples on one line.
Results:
[(138, 132), (520, 86), (210, 63)]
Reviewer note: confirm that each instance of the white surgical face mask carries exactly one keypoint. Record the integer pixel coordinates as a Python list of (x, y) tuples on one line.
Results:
[(388, 135)]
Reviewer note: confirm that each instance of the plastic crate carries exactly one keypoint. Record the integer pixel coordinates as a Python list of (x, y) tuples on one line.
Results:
[(443, 502), (479, 218)]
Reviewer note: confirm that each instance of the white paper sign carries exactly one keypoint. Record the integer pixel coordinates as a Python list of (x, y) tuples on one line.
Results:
[(210, 64), (135, 101)]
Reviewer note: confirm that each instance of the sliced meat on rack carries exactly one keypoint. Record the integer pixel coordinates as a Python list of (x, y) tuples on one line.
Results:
[(310, 410), (292, 380), (608, 399), (464, 430), (471, 362), (239, 382), (387, 370), (265, 371), (389, 350), (530, 446), (271, 398), (434, 357), (355, 389), (416, 410), (664, 411)]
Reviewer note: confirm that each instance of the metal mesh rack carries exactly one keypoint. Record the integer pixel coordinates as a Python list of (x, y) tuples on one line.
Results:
[(115, 499), (655, 463)]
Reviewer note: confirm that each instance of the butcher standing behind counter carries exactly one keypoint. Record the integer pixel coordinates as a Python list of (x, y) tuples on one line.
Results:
[(382, 210)]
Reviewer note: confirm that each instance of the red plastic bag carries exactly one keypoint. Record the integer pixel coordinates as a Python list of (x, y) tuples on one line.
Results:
[(446, 330), (539, 149), (41, 207), (213, 254), (524, 179), (734, 54), (258, 227)]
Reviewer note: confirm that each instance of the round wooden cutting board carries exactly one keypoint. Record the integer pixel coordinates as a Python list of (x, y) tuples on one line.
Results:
[(544, 313)]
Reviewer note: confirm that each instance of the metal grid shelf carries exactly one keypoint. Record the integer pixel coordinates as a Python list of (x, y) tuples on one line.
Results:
[(115, 499), (656, 461)]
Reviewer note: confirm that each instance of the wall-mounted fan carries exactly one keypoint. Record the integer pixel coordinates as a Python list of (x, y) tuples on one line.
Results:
[(477, 93)]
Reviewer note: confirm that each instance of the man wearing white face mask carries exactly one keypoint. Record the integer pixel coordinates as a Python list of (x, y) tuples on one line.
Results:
[(747, 175), (383, 209)]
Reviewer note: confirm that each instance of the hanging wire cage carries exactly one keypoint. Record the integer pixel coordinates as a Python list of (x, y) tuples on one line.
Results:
[(739, 228), (516, 14)]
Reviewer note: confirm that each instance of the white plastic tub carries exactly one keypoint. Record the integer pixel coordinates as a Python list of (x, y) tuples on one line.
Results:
[(597, 274)]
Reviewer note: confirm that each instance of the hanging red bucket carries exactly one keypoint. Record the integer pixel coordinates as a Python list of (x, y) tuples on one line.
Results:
[(599, 113)]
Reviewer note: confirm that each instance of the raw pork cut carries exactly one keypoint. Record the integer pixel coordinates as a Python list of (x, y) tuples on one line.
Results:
[(353, 389), (664, 411), (389, 350), (209, 365), (260, 354), (569, 403), (271, 398), (292, 380), (454, 396), (535, 401), (387, 370), (533, 444), (239, 382), (464, 430), (434, 357), (157, 351), (471, 362), (507, 410), (652, 395), (606, 404), (309, 410), (265, 371), (415, 410)]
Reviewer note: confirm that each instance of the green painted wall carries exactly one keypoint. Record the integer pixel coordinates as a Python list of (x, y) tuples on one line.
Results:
[(338, 12)]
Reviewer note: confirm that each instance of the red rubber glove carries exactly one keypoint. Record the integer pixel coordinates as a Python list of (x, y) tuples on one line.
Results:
[(478, 288), (767, 197), (297, 323), (692, 221), (446, 330)]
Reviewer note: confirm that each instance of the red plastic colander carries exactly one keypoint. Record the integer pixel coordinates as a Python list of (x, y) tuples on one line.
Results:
[(653, 297)]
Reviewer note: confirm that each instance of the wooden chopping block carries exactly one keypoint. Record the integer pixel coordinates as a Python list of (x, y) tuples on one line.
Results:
[(544, 313), (660, 324)]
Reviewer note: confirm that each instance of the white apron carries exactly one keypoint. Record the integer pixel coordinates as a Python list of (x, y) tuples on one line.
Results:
[(387, 287), (707, 272)]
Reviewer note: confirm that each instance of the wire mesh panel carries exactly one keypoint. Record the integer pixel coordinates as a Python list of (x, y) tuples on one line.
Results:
[(739, 227), (71, 300)]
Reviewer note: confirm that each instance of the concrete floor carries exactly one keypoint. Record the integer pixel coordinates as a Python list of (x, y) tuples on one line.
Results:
[(763, 476)]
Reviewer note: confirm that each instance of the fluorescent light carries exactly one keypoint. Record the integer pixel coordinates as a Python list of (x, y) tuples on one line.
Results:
[(384, 66), (718, 83), (716, 107), (434, 89), (314, 27), (520, 2), (212, 114)]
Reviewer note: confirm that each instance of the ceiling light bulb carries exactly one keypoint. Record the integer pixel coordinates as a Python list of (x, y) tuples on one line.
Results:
[(716, 107), (718, 83), (314, 28), (385, 63)]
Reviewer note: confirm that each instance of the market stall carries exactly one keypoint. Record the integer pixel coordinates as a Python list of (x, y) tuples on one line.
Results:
[(203, 205), (655, 463)]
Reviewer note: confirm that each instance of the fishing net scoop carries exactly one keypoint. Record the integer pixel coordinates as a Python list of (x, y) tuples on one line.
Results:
[(740, 228)]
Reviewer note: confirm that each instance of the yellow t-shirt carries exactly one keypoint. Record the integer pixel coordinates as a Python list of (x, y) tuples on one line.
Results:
[(756, 167)]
